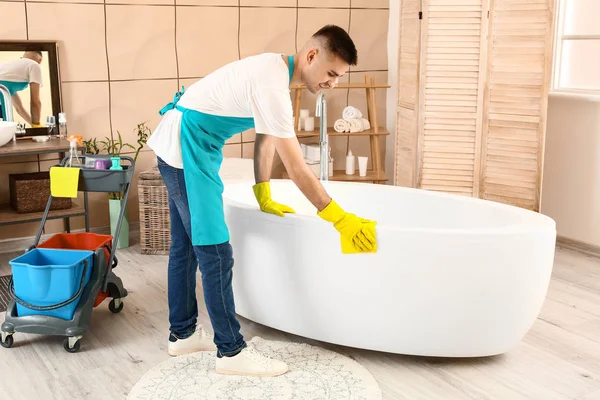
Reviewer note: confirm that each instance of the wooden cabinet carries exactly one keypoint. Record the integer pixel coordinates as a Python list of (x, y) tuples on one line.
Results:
[(473, 81)]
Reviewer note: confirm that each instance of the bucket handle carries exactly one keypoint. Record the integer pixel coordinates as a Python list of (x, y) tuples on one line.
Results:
[(11, 288), (115, 261)]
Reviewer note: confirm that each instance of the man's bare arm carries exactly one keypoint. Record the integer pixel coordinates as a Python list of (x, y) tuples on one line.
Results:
[(299, 172), (36, 103), (18, 104), (264, 153)]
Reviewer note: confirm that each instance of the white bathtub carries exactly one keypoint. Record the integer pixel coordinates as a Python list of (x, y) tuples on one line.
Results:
[(454, 276)]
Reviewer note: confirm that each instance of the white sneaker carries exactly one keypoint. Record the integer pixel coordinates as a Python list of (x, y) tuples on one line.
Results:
[(250, 362), (199, 341)]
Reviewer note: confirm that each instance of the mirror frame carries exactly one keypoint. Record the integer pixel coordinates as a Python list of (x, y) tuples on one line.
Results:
[(52, 48)]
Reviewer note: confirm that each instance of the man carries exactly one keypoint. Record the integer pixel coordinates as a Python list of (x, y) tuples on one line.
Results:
[(252, 92), (16, 75)]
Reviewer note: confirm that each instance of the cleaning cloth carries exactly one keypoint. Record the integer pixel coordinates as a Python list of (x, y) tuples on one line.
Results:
[(64, 181)]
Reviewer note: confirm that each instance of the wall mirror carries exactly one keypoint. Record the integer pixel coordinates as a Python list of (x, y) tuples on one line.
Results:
[(22, 64)]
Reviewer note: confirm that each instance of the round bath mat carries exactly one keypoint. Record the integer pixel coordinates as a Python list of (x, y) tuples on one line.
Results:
[(314, 374)]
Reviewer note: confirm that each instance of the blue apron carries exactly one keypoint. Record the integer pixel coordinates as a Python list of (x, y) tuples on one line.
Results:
[(13, 87), (202, 139)]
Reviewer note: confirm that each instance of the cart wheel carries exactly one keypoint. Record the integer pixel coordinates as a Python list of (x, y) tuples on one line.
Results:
[(7, 344), (73, 349), (115, 306)]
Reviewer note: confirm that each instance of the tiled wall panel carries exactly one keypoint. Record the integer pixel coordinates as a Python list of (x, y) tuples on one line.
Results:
[(122, 60)]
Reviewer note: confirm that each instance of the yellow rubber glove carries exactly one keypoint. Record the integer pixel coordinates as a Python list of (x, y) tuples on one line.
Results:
[(357, 235), (37, 125), (262, 192)]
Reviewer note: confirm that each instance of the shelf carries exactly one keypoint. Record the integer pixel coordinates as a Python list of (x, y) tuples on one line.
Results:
[(332, 132), (26, 146), (372, 176), (349, 86), (340, 176), (9, 216)]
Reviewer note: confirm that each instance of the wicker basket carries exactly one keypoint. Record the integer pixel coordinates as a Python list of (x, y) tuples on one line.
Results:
[(29, 193), (155, 222)]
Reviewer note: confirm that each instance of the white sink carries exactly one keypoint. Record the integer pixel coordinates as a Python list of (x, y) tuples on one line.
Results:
[(7, 131)]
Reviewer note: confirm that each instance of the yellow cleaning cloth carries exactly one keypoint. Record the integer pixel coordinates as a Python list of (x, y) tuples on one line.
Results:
[(64, 181), (352, 247)]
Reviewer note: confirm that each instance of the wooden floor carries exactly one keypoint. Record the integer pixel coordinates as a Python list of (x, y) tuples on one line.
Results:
[(558, 359)]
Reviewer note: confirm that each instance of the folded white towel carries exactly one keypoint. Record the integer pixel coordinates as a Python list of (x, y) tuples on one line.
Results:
[(356, 125), (351, 113), (366, 124), (341, 126)]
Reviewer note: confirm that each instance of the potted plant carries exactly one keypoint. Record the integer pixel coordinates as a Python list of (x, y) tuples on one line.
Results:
[(114, 148)]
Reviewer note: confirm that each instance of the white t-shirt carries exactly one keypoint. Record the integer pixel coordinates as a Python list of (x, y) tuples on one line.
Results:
[(21, 70), (255, 87)]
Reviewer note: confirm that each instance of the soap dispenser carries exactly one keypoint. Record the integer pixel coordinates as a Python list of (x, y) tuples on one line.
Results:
[(350, 167)]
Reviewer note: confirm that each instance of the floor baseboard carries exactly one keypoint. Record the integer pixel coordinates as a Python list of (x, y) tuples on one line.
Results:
[(576, 245)]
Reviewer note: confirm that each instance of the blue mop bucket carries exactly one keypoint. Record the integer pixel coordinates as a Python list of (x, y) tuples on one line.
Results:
[(50, 281)]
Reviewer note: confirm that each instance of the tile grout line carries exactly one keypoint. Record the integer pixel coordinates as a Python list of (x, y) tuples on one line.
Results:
[(26, 21), (185, 77), (108, 71), (296, 33)]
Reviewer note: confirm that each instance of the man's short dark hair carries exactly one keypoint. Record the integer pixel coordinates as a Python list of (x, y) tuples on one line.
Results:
[(39, 53), (338, 42)]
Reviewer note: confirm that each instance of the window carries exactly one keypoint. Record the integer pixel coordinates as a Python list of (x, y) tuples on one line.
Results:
[(577, 46)]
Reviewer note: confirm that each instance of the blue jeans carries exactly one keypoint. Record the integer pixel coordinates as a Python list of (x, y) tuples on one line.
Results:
[(216, 264)]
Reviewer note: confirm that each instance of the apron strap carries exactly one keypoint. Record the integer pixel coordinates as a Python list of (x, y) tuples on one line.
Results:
[(291, 66), (172, 104)]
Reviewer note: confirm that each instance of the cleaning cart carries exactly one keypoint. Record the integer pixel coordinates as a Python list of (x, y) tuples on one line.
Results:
[(56, 284)]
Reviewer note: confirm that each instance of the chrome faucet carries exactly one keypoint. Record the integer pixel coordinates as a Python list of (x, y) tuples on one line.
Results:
[(7, 114), (321, 112)]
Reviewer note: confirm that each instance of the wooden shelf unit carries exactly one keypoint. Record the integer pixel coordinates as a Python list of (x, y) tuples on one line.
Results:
[(8, 216), (376, 173)]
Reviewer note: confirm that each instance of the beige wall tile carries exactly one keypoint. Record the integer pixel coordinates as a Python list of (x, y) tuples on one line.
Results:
[(86, 105), (134, 102), (78, 1), (310, 20), (229, 3), (324, 3), (275, 32), (248, 150), (234, 139), (369, 29), (232, 150), (268, 3), (80, 59), (144, 2), (370, 3), (198, 49), (249, 135), (141, 42), (13, 26)]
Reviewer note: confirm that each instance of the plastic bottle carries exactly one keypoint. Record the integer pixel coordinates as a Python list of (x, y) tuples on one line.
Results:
[(73, 151), (62, 125), (350, 167)]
